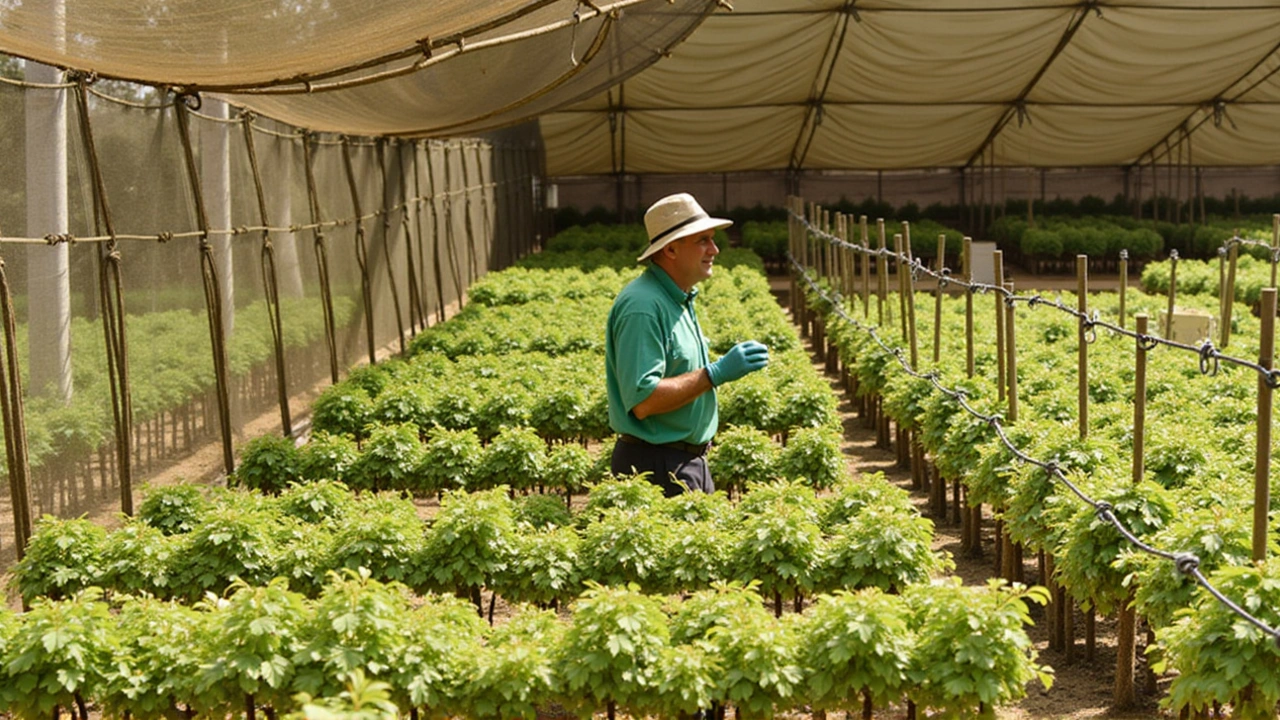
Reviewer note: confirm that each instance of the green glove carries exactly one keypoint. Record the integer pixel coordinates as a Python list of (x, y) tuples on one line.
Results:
[(743, 358)]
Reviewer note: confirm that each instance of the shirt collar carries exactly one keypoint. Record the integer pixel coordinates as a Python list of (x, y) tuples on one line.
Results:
[(673, 290)]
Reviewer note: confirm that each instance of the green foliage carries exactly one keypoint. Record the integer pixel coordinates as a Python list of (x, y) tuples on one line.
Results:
[(852, 495), (568, 467), (1219, 657), (542, 512), (320, 502), (342, 409), (62, 558), (268, 463), (544, 569), (136, 559), (327, 456), (515, 457), (59, 653), (814, 454), (971, 649), (741, 456), (471, 542), (382, 543), (515, 672), (856, 643), (450, 459), (156, 661), (361, 699), (390, 461), (611, 652), (258, 638), (230, 544), (759, 655), (781, 548), (356, 625), (881, 547), (696, 555), (625, 547), (634, 493), (440, 656), (173, 509)]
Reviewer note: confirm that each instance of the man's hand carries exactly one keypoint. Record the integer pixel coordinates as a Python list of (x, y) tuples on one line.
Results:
[(743, 358)]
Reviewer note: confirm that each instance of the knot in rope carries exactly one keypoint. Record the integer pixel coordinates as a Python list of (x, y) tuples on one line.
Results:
[(59, 238), (1124, 254), (1273, 379), (1186, 562), (113, 256), (1088, 323), (1222, 251), (239, 230), (1010, 299), (248, 115), (1034, 300), (425, 45), (1052, 468), (1103, 509), (1208, 354), (1173, 254), (164, 237), (191, 100), (994, 420), (1147, 342)]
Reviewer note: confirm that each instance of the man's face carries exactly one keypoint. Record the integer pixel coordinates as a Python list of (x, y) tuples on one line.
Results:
[(691, 258)]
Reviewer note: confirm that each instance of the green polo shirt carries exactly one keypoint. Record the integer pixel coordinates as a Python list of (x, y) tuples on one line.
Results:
[(653, 333)]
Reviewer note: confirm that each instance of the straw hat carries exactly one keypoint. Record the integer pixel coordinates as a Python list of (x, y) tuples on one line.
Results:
[(674, 217)]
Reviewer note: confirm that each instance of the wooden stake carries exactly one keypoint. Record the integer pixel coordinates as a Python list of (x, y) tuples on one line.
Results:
[(1173, 291), (1262, 465), (1082, 304), (882, 273), (968, 308), (937, 305), (1124, 283), (1001, 380), (1229, 295), (866, 270)]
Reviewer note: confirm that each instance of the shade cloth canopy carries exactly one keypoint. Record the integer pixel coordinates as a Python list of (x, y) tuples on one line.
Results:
[(898, 84)]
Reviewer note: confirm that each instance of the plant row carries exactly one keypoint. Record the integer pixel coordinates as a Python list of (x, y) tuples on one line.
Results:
[(524, 549), (1195, 495), (960, 652), (162, 379), (1203, 277)]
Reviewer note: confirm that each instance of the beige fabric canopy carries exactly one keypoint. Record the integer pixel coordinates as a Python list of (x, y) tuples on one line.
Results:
[(894, 84), (393, 67)]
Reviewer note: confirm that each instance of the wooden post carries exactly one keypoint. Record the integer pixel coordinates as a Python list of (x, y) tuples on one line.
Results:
[(968, 308), (1124, 283), (1082, 304), (1008, 566), (909, 282), (1262, 466), (1275, 245), (998, 262), (937, 305), (866, 269), (1124, 693), (1173, 292), (882, 273), (902, 287), (1139, 400), (1229, 295)]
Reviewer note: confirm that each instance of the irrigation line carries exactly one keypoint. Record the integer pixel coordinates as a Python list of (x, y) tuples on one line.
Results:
[(1186, 563), (1210, 357)]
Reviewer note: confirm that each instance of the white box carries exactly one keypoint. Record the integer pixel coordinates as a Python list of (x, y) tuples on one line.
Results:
[(1190, 327)]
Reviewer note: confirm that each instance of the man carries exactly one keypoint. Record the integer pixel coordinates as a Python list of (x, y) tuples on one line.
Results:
[(661, 383)]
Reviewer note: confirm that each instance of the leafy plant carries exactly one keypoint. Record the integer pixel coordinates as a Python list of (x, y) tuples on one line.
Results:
[(391, 458), (268, 463), (881, 547), (450, 459), (136, 559), (59, 654), (342, 409), (781, 549), (544, 569), (971, 651), (173, 509), (611, 652), (321, 502), (625, 547), (229, 544), (327, 456), (515, 457), (515, 673), (472, 541), (856, 646), (62, 558), (814, 454), (155, 665), (741, 456), (542, 512)]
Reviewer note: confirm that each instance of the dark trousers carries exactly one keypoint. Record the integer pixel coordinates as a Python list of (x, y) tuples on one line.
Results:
[(675, 471)]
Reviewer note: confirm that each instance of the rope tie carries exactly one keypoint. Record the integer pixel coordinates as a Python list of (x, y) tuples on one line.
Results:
[(59, 238), (1208, 359), (164, 237), (270, 281), (1187, 563), (1088, 324), (1147, 343)]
